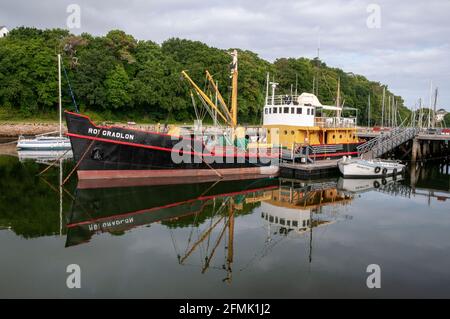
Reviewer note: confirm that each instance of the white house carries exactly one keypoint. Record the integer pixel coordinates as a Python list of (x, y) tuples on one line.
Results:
[(3, 31)]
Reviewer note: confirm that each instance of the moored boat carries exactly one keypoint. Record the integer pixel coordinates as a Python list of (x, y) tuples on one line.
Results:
[(40, 143), (121, 153), (376, 168), (45, 142), (302, 126)]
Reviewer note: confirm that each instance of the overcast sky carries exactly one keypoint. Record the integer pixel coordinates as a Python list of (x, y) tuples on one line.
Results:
[(406, 48)]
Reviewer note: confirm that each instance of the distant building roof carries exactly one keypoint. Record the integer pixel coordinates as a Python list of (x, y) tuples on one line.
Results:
[(441, 111)]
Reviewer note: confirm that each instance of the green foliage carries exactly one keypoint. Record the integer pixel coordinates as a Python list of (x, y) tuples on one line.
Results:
[(447, 120), (117, 86), (29, 204), (123, 78)]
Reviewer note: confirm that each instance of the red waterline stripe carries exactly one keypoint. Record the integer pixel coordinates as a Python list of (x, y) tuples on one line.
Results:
[(163, 148)]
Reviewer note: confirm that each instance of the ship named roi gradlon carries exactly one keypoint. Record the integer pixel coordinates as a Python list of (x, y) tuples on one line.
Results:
[(112, 152)]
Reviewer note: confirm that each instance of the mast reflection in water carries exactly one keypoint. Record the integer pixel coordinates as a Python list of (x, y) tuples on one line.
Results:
[(313, 238)]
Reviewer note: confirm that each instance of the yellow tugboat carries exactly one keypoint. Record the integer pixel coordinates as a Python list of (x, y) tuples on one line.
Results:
[(301, 125)]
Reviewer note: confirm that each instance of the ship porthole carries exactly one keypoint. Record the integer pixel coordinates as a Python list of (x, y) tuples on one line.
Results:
[(285, 132), (292, 132)]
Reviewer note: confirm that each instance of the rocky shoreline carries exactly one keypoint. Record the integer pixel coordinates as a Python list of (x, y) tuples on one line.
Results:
[(16, 129)]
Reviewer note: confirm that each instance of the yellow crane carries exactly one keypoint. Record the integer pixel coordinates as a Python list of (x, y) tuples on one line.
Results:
[(229, 115)]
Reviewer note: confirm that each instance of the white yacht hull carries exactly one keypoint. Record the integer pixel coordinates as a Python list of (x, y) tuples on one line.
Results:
[(44, 143), (358, 168)]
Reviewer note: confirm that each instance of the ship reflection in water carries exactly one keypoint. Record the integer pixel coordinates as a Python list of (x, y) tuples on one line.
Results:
[(289, 208), (256, 235)]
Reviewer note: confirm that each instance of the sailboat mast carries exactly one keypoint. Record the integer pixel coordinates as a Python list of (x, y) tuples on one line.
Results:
[(338, 97), (234, 83), (429, 108), (59, 95), (382, 107), (368, 113)]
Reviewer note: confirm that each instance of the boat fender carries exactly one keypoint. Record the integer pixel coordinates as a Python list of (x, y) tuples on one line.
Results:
[(377, 169), (97, 154), (384, 171), (376, 184)]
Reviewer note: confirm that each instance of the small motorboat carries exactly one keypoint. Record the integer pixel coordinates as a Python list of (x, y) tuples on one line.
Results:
[(376, 168)]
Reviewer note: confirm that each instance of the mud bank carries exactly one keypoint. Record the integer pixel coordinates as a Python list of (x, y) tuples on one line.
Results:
[(16, 129)]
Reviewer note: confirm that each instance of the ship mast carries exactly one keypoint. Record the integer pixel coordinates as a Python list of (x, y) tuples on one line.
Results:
[(338, 97), (59, 95), (234, 83)]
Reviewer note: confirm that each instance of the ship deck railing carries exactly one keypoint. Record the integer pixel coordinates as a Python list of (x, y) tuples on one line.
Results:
[(282, 100), (335, 122)]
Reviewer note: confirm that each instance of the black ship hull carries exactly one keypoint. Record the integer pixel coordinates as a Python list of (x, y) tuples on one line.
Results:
[(111, 152), (124, 208)]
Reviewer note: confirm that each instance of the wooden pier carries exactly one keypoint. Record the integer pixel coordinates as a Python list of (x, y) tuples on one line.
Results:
[(309, 170), (406, 144)]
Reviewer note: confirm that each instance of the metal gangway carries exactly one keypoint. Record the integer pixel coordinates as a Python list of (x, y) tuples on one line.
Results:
[(386, 142)]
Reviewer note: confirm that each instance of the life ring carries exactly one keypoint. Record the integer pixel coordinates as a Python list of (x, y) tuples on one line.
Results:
[(384, 171), (376, 184), (377, 169), (384, 181)]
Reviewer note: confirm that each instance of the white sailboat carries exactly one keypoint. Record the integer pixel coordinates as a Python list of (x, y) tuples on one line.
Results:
[(44, 141)]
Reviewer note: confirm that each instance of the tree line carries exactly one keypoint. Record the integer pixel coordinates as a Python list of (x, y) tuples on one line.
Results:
[(119, 77)]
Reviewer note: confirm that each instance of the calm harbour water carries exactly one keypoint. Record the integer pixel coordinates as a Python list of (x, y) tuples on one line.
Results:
[(249, 239)]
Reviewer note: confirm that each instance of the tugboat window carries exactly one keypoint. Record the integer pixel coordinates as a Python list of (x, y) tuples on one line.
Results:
[(274, 110), (266, 111), (299, 110), (286, 110), (307, 111), (312, 111), (292, 110)]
